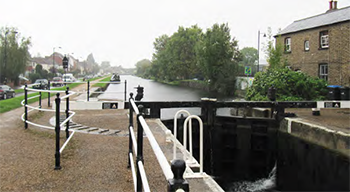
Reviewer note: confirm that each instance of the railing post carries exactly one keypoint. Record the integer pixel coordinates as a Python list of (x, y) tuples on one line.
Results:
[(40, 99), (178, 182), (131, 123), (88, 90), (139, 156), (67, 113), (57, 129), (25, 106), (125, 90), (48, 94)]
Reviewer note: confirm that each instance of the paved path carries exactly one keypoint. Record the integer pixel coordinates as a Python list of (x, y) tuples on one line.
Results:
[(90, 162)]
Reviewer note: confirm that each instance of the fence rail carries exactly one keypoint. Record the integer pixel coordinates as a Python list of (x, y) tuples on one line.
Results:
[(58, 124), (175, 179)]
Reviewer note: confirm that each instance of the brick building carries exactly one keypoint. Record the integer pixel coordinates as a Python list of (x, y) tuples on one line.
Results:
[(320, 45)]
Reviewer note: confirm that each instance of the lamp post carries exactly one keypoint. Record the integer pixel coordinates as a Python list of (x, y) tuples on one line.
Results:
[(5, 54), (264, 35), (53, 59)]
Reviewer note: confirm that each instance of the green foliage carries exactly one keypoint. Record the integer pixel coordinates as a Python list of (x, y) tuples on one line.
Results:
[(14, 54), (275, 53), (218, 57), (289, 85), (103, 85)]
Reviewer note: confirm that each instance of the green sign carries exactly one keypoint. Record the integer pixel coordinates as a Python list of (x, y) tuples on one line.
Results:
[(248, 70)]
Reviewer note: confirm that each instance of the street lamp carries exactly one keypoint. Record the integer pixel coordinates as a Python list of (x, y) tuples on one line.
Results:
[(264, 35), (53, 59), (5, 53)]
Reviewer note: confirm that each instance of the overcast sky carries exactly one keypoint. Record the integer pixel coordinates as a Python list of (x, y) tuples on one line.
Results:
[(123, 32)]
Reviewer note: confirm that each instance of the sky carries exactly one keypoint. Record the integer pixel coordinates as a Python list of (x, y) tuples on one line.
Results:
[(123, 32)]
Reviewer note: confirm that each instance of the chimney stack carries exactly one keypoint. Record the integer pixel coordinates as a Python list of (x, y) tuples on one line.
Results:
[(335, 6)]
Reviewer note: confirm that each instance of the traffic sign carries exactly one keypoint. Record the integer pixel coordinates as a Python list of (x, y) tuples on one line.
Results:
[(247, 70)]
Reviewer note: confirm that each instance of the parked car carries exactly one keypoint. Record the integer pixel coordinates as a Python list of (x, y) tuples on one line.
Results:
[(57, 81), (41, 84), (6, 92), (68, 77)]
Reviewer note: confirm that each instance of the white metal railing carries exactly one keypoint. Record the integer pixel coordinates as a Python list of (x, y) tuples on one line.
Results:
[(140, 178), (58, 127), (191, 158), (175, 129)]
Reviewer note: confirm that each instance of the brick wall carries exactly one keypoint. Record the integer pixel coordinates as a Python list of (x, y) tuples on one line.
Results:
[(337, 56)]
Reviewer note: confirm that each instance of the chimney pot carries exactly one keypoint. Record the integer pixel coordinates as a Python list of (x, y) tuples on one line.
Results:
[(330, 5), (335, 6)]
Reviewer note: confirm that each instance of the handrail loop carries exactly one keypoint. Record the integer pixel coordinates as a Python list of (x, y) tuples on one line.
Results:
[(58, 125), (188, 119)]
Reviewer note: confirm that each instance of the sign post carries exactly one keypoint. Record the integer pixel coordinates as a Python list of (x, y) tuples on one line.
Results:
[(248, 72)]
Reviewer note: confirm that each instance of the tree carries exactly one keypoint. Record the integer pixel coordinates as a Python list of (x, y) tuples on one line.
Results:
[(143, 68), (249, 58), (182, 54), (218, 57), (159, 59), (275, 53), (14, 54)]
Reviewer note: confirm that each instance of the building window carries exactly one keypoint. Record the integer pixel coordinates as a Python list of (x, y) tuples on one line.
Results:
[(323, 71), (306, 45), (287, 45), (324, 39)]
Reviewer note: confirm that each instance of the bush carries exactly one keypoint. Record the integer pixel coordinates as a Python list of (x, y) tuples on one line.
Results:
[(289, 85)]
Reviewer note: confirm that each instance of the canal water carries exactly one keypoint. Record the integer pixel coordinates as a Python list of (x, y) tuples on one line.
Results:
[(155, 91)]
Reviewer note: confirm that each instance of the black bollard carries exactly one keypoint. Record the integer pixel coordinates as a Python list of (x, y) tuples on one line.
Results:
[(67, 113), (88, 90), (25, 106), (139, 95), (48, 94), (57, 130), (271, 94), (178, 182)]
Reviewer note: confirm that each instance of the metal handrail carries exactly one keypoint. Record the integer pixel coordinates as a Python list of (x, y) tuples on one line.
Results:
[(140, 180), (200, 139), (175, 129), (156, 149)]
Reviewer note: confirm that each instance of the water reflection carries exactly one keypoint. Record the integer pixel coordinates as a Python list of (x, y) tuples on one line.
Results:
[(155, 91)]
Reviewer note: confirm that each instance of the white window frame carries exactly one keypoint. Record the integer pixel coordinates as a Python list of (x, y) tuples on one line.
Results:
[(323, 71), (307, 45), (324, 39), (288, 42)]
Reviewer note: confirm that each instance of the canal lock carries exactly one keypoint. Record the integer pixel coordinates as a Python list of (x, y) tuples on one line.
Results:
[(240, 150)]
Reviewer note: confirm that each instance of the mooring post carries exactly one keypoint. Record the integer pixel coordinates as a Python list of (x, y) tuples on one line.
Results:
[(48, 94), (25, 106), (67, 113), (271, 94), (40, 100), (57, 130), (131, 124), (139, 156), (88, 90), (178, 182)]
